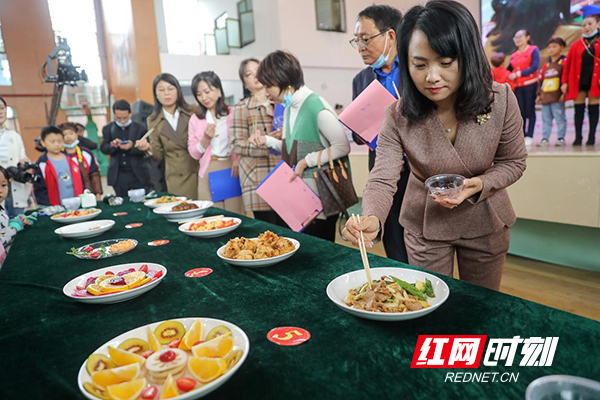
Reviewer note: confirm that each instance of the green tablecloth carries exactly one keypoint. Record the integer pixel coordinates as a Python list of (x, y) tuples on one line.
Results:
[(46, 336)]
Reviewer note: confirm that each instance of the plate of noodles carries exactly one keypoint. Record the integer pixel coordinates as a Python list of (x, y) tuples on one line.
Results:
[(265, 250), (396, 294)]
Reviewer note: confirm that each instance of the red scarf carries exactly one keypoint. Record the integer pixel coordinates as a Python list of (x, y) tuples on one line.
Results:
[(52, 181)]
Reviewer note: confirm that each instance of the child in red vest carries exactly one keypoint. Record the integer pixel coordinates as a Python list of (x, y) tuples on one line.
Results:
[(61, 174), (499, 73)]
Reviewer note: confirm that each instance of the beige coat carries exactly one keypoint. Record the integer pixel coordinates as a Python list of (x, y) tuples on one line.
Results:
[(181, 170), (493, 151)]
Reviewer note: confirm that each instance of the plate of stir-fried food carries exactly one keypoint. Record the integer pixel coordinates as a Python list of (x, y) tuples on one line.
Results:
[(210, 228), (395, 294), (265, 250)]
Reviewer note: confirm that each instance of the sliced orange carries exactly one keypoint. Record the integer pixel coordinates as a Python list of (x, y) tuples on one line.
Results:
[(169, 388), (217, 347), (206, 369), (127, 390), (123, 357), (113, 376), (193, 335), (153, 341), (134, 279)]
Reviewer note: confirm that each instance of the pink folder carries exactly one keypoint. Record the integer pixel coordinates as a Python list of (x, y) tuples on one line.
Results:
[(366, 113), (295, 202)]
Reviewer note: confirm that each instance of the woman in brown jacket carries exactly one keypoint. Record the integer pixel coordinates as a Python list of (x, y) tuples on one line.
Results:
[(169, 137), (451, 119)]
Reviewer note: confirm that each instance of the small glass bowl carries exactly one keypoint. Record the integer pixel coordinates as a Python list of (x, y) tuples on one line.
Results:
[(445, 185), (563, 387)]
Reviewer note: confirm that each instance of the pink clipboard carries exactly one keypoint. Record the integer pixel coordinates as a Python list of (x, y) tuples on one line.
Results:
[(295, 202), (366, 113)]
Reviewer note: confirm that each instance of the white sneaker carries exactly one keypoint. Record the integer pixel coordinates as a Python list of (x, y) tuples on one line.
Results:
[(543, 143), (528, 141)]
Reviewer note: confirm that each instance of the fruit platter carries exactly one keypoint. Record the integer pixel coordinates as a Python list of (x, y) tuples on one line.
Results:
[(181, 359), (115, 284), (69, 217), (104, 249), (210, 228)]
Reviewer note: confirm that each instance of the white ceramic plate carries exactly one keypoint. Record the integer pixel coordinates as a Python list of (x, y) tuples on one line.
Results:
[(85, 230), (337, 290), (70, 288), (106, 243), (70, 220), (240, 342), (263, 262), (183, 215), (210, 234), (153, 204)]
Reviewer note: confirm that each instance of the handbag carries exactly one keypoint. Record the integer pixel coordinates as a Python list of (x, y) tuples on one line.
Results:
[(335, 187)]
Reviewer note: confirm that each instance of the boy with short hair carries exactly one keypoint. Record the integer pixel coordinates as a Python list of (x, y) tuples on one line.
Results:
[(499, 73), (61, 174), (550, 95)]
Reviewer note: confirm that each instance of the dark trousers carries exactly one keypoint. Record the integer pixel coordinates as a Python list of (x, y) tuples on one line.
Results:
[(323, 228), (526, 99), (268, 216), (126, 180)]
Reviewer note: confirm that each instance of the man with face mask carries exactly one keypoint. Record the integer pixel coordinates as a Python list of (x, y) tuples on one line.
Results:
[(375, 40), (126, 169)]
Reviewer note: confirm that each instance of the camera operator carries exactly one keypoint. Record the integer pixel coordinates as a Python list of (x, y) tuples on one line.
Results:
[(12, 154)]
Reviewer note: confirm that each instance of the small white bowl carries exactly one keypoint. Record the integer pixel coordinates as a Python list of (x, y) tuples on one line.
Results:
[(263, 262), (177, 216), (337, 290), (71, 203), (213, 233), (84, 230)]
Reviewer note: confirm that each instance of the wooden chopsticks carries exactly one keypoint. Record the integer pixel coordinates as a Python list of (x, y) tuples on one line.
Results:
[(363, 251)]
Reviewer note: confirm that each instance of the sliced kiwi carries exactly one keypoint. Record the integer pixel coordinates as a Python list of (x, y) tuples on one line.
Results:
[(217, 331), (232, 358), (169, 331), (96, 390), (98, 362), (134, 345)]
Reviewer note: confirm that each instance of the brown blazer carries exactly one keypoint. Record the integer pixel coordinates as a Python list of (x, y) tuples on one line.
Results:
[(181, 170), (493, 151)]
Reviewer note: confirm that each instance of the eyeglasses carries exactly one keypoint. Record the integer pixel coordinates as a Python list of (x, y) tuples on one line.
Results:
[(358, 42)]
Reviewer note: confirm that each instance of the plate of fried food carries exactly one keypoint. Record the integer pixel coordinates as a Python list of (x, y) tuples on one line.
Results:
[(83, 214), (180, 359), (104, 249), (163, 201), (184, 210), (210, 227), (265, 250), (399, 293)]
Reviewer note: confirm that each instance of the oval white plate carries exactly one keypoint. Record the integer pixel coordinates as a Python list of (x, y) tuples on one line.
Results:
[(111, 298), (337, 290), (107, 243), (263, 262), (152, 202), (178, 216), (240, 342), (85, 230), (71, 220), (210, 234)]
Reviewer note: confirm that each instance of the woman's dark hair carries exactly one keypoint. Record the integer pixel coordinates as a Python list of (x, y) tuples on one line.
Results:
[(50, 129), (180, 102), (3, 170), (280, 69), (541, 17), (212, 80), (451, 32), (526, 32), (242, 76), (4, 101)]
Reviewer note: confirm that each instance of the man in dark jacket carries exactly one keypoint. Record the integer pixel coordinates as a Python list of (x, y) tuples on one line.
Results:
[(126, 169), (375, 39)]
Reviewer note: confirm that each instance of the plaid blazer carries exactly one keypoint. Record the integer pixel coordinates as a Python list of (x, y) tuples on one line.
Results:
[(255, 162)]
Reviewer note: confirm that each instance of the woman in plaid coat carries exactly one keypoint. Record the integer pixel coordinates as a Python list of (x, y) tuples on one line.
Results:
[(254, 112)]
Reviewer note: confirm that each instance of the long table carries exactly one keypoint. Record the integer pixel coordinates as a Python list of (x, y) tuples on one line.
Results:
[(46, 336)]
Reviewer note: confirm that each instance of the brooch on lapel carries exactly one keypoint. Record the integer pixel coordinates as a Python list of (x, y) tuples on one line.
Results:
[(484, 117)]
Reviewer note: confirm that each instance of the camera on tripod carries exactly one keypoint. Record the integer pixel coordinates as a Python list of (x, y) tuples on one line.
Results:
[(21, 173)]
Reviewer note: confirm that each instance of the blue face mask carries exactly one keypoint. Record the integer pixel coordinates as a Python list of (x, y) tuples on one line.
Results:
[(72, 145), (125, 125), (382, 59), (287, 99), (590, 34)]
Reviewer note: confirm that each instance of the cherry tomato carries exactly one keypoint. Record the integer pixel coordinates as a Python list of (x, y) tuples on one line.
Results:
[(95, 254), (88, 249), (186, 384), (109, 273), (174, 343), (149, 392), (147, 353), (167, 356), (144, 268)]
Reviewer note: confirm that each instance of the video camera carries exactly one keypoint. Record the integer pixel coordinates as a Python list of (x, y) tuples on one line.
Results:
[(21, 173)]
